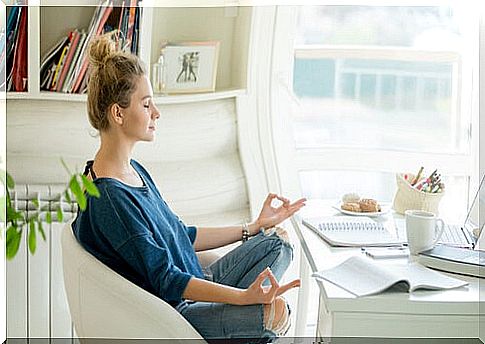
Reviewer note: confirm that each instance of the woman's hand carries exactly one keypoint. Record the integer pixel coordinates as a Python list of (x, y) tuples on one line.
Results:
[(257, 294), (271, 216)]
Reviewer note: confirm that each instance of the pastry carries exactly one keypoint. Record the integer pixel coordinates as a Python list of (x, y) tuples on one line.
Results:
[(351, 198), (368, 205), (351, 206)]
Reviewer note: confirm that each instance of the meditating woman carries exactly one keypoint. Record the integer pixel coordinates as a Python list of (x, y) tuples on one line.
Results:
[(132, 230)]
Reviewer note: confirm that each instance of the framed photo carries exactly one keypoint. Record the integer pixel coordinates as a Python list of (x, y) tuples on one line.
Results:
[(190, 67)]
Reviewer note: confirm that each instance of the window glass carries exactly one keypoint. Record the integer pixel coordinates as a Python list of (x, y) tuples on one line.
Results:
[(381, 78)]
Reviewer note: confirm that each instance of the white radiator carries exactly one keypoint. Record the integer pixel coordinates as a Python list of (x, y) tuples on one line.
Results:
[(36, 300)]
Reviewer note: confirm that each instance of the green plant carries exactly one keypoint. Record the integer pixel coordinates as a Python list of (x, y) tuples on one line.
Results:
[(17, 221)]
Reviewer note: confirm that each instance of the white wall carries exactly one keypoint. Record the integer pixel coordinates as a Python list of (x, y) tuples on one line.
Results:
[(194, 160)]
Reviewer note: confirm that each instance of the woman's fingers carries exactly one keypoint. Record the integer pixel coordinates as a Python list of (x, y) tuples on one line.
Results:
[(286, 201), (294, 207), (269, 199), (273, 280), (262, 276), (300, 202), (274, 285), (284, 288)]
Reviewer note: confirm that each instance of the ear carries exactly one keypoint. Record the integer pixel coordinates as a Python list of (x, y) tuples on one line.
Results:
[(116, 115)]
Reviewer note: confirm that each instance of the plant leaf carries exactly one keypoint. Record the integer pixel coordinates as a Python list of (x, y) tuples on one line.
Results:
[(67, 196), (36, 203), (32, 237), (13, 242), (13, 215), (90, 186), (41, 230), (48, 217), (11, 233), (60, 214), (77, 192), (10, 181)]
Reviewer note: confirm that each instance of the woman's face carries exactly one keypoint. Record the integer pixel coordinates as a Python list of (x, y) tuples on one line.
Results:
[(139, 118)]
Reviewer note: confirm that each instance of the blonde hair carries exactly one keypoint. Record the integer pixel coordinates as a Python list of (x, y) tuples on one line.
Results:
[(112, 80)]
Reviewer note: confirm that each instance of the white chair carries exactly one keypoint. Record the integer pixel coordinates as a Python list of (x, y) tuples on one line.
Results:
[(104, 304)]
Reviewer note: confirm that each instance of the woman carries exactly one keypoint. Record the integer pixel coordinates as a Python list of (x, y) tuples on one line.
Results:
[(132, 230)]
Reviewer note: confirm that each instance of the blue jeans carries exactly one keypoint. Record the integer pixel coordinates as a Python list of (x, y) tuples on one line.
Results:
[(239, 268)]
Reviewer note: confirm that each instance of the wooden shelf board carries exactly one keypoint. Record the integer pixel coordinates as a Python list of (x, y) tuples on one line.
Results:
[(158, 98)]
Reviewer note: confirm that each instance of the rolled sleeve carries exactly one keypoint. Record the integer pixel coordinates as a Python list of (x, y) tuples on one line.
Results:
[(192, 233)]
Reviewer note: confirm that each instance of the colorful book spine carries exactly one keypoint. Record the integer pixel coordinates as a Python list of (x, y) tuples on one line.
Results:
[(59, 64), (119, 34), (91, 29), (131, 23), (19, 73), (70, 74), (67, 63), (99, 29), (12, 37)]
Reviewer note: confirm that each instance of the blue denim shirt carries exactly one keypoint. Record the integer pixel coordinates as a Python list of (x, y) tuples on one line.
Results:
[(133, 231)]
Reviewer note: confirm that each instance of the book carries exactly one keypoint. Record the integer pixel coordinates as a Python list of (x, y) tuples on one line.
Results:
[(96, 30), (58, 68), (363, 276), (70, 74), (19, 73), (131, 23), (72, 48), (13, 32), (136, 32), (353, 231), (454, 259), (51, 54)]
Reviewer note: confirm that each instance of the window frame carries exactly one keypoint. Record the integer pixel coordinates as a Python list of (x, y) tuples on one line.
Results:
[(291, 161)]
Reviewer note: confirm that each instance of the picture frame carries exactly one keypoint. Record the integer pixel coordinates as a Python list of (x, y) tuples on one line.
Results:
[(190, 67)]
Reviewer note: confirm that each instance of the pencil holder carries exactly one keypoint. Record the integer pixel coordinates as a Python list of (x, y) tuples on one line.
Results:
[(407, 197)]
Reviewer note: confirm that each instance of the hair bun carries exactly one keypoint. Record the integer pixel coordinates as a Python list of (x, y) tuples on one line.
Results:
[(101, 49)]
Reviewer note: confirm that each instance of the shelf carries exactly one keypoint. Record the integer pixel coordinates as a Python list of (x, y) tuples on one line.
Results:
[(197, 97), (49, 21), (45, 95), (158, 98)]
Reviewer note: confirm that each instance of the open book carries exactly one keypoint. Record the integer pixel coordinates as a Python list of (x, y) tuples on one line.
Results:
[(362, 276)]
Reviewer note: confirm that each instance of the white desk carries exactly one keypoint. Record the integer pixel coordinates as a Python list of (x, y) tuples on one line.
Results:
[(452, 313)]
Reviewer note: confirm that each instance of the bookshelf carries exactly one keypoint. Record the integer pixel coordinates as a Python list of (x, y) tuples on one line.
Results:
[(48, 23)]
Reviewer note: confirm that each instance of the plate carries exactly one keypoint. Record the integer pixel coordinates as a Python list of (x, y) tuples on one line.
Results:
[(385, 208)]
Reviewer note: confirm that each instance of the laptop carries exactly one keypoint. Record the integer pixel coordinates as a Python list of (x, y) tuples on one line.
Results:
[(462, 235), (466, 261)]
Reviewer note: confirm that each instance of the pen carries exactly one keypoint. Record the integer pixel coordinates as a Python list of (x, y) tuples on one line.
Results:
[(418, 176)]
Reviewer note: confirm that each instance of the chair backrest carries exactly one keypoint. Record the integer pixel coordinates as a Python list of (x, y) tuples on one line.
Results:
[(104, 304)]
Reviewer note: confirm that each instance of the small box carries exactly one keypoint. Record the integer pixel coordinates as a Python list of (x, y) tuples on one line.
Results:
[(407, 197)]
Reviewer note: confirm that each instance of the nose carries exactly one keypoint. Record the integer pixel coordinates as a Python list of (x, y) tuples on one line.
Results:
[(155, 112)]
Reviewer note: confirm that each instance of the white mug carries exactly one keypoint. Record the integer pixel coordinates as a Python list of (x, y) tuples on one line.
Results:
[(422, 230)]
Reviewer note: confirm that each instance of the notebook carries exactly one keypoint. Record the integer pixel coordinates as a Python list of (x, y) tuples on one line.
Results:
[(352, 231), (462, 234), (362, 277)]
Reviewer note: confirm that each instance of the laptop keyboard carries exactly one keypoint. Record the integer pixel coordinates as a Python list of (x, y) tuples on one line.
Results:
[(453, 235)]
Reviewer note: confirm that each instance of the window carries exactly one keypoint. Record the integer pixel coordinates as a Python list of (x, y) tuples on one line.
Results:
[(380, 90)]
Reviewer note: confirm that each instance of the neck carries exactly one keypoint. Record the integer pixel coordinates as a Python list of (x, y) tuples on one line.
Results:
[(114, 153)]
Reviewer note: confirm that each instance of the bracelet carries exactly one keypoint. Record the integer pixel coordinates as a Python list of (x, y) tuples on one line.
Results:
[(245, 232)]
